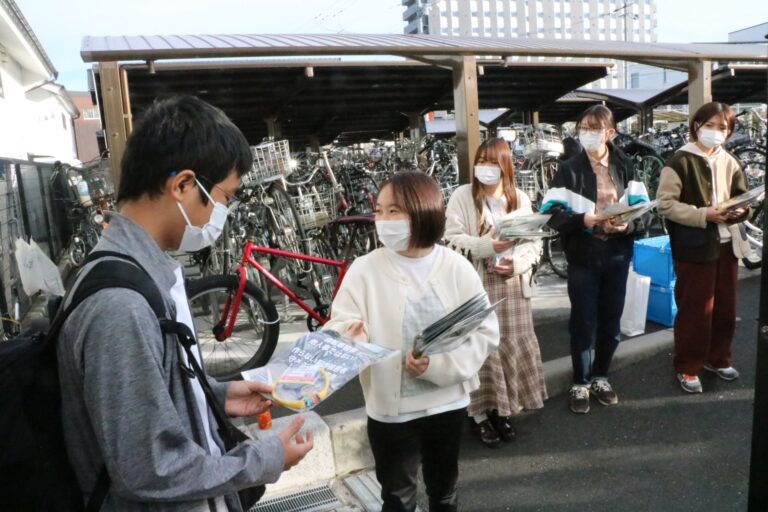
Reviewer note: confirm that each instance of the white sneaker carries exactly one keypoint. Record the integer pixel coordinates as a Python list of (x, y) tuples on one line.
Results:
[(729, 373), (690, 383)]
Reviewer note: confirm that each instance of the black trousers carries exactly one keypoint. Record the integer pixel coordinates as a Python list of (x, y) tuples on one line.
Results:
[(398, 448)]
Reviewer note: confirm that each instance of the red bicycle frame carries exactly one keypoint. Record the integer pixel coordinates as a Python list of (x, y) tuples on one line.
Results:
[(233, 303)]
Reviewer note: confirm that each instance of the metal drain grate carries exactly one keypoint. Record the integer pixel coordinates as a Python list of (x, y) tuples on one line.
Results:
[(313, 499)]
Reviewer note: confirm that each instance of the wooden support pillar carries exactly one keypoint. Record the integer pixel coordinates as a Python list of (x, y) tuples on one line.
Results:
[(466, 106), (699, 85), (535, 117), (116, 117)]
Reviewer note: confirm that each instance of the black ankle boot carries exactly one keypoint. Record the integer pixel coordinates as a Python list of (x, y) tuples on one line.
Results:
[(503, 426), (486, 433)]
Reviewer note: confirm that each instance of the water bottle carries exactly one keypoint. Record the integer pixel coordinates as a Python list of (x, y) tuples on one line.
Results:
[(83, 193)]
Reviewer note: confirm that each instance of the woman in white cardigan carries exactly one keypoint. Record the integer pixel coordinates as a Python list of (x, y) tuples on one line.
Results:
[(512, 379), (416, 406)]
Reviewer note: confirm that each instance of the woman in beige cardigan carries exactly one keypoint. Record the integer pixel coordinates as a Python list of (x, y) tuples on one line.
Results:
[(512, 378)]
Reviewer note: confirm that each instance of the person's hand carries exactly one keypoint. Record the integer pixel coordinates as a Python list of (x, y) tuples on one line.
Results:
[(244, 398), (502, 245), (590, 220), (356, 332), (611, 228), (294, 452), (736, 214), (505, 268), (416, 366), (714, 215)]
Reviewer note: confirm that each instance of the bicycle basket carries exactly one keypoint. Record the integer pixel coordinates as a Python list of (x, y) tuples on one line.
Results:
[(541, 139), (316, 208), (271, 160)]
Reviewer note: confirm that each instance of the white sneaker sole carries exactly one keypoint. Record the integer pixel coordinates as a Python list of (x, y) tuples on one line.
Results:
[(714, 370)]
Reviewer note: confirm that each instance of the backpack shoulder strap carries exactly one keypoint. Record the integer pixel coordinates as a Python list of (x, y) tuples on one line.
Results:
[(127, 273)]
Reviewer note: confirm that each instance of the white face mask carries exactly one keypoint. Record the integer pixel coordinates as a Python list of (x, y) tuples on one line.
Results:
[(488, 174), (711, 138), (394, 234), (591, 140), (196, 238)]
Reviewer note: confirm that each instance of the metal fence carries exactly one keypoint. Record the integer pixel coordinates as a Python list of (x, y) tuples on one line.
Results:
[(32, 205)]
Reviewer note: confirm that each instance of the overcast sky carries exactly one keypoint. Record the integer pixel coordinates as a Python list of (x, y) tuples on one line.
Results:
[(61, 24)]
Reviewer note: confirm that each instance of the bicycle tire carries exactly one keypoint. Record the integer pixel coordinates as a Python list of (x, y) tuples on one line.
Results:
[(555, 255), (266, 332), (286, 231), (751, 156), (648, 168)]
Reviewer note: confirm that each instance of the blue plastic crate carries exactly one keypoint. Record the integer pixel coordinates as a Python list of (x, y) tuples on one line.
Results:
[(653, 258), (662, 308)]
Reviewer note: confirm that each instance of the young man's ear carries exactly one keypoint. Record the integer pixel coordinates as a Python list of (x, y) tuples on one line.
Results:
[(179, 183)]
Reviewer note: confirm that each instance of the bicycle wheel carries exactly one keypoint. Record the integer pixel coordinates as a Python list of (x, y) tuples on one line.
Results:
[(255, 332), (758, 222), (753, 161), (544, 170), (648, 169), (555, 254)]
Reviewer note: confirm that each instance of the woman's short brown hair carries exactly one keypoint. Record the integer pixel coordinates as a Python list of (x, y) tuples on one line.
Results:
[(419, 196), (707, 112), (599, 112)]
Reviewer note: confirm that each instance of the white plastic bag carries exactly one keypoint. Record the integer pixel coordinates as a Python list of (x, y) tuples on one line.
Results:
[(36, 270), (635, 304)]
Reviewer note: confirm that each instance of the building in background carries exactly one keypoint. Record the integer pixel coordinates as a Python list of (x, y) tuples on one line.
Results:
[(87, 126), (35, 112), (604, 20), (753, 34)]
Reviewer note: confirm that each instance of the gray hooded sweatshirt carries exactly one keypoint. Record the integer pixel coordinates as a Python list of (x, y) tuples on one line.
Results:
[(127, 404)]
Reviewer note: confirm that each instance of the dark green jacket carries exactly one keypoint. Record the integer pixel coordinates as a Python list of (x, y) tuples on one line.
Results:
[(685, 193)]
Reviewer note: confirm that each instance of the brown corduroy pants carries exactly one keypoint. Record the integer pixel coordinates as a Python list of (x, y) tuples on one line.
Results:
[(706, 312)]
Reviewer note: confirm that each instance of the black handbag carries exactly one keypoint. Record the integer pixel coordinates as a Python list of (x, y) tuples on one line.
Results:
[(230, 435)]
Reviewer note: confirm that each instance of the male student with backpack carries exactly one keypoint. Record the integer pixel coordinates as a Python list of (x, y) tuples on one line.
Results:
[(130, 402)]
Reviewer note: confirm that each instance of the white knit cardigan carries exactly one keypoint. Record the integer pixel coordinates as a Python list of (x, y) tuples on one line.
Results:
[(461, 231)]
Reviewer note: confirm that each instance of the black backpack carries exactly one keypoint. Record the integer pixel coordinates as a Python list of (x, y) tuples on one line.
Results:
[(35, 472)]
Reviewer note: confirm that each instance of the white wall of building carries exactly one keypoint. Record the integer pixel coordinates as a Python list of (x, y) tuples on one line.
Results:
[(754, 34), (609, 20), (34, 122)]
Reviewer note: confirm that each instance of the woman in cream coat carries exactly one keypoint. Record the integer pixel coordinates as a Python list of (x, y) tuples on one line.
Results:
[(416, 406), (512, 378)]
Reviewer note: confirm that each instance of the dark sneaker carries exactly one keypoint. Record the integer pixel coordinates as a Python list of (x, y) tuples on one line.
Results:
[(486, 433), (690, 383), (580, 399), (503, 426), (604, 392), (729, 373)]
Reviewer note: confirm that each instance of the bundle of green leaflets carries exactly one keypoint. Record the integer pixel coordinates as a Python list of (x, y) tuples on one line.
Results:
[(527, 227), (452, 330)]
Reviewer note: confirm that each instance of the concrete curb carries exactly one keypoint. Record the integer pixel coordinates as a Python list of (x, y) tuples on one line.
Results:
[(347, 433)]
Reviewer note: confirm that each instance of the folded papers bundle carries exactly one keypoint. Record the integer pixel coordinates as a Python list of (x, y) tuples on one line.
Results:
[(451, 330), (622, 214), (529, 226), (743, 200)]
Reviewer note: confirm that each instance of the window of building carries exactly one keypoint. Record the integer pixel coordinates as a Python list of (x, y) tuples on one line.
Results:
[(634, 80), (540, 15), (475, 30), (91, 113), (540, 31), (455, 13), (602, 31)]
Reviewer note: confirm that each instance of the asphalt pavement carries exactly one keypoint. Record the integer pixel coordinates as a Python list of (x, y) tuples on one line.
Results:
[(660, 449)]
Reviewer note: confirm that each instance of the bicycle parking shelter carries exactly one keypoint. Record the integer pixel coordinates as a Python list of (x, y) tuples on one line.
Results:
[(459, 55)]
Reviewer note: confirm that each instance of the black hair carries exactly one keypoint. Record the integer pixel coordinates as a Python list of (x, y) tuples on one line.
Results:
[(182, 132)]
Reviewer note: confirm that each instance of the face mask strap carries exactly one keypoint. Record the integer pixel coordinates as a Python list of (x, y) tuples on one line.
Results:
[(205, 191), (183, 213)]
